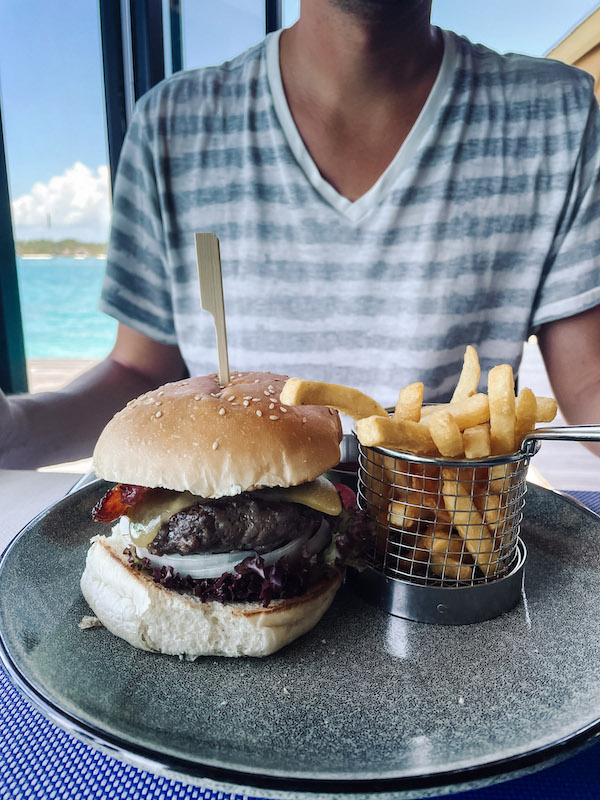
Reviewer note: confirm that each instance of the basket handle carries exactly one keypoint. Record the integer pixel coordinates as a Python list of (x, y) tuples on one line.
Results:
[(567, 433)]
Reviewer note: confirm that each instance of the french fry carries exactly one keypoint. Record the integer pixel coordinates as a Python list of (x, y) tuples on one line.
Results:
[(476, 441), (405, 510), (354, 403), (546, 409), (436, 537), (501, 394), (525, 414), (499, 480), (446, 555), (428, 484), (431, 409), (476, 479), (494, 509), (445, 434), (378, 431), (474, 410), (409, 403), (469, 523), (469, 376), (451, 567), (447, 566)]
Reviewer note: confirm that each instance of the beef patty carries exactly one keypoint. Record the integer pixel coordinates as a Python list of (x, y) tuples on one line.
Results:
[(234, 523)]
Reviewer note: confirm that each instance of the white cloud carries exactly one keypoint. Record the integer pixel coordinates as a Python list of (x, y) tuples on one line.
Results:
[(75, 204)]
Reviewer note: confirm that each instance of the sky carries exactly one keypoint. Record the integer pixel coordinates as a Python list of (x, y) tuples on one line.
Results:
[(52, 98)]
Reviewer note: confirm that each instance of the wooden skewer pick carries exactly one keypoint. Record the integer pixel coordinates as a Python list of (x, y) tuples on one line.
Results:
[(211, 294)]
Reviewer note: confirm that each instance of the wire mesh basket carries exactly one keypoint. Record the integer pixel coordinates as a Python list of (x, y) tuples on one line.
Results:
[(445, 531), (442, 522), (447, 547)]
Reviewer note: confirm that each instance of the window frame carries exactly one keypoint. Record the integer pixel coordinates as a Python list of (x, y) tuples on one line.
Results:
[(133, 60)]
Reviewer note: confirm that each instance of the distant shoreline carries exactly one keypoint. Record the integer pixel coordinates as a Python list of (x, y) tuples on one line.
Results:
[(59, 248), (49, 256)]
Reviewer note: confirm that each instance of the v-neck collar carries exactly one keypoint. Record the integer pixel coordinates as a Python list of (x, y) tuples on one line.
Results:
[(355, 210)]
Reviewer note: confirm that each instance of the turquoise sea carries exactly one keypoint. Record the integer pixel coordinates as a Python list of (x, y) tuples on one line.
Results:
[(59, 305)]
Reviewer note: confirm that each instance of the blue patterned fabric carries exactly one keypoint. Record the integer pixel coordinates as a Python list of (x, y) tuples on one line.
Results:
[(38, 761)]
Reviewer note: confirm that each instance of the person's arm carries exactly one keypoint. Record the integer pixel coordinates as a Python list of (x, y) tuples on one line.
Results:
[(571, 351), (47, 428)]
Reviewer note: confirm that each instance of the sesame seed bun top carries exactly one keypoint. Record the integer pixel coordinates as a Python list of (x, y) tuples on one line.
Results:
[(196, 435)]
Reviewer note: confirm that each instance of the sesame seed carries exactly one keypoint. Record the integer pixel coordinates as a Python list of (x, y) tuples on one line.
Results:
[(283, 409), (273, 416), (271, 406), (265, 392), (221, 411), (158, 403), (197, 397), (303, 419), (158, 414), (270, 388), (231, 398), (215, 444), (256, 399), (214, 394), (240, 374), (258, 412), (248, 397), (160, 394), (246, 403), (257, 380)]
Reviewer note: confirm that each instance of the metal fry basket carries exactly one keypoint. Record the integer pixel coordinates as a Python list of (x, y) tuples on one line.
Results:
[(447, 547)]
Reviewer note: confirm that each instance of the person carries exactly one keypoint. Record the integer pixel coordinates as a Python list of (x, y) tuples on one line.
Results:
[(385, 193)]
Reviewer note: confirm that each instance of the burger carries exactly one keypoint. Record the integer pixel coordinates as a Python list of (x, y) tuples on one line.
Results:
[(225, 537)]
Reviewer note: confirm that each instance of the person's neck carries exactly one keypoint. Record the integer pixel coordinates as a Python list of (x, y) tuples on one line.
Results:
[(356, 86), (335, 56)]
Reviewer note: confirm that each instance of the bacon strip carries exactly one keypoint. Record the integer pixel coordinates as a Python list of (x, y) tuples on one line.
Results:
[(117, 500)]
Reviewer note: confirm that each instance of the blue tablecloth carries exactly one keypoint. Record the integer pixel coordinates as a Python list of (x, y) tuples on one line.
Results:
[(38, 761)]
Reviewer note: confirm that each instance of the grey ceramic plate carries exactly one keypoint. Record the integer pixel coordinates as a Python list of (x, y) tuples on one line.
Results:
[(364, 703)]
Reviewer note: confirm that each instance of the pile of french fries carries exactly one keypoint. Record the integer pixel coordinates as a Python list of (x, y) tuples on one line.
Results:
[(455, 522)]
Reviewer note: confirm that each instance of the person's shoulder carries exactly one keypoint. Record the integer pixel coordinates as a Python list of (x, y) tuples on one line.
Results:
[(227, 82), (523, 72)]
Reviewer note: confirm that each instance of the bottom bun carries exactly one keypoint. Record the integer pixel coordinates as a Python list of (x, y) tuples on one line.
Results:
[(149, 616)]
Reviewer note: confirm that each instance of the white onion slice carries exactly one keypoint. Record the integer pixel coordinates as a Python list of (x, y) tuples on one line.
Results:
[(213, 565), (318, 540), (199, 565)]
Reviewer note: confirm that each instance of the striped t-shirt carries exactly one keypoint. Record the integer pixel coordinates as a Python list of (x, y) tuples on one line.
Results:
[(485, 225)]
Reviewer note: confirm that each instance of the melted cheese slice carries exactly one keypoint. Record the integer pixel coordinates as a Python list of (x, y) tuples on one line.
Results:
[(320, 494), (146, 518)]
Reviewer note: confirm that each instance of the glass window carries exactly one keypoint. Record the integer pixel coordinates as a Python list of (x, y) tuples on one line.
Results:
[(216, 32), (512, 25), (291, 12), (55, 138)]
